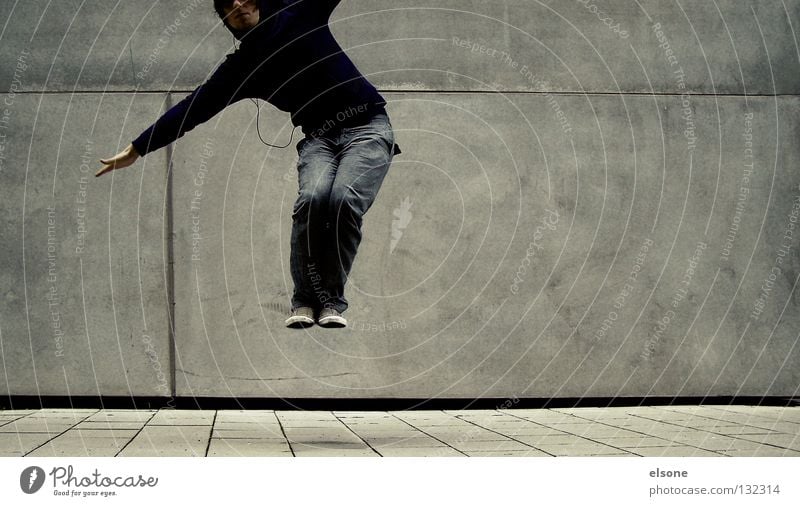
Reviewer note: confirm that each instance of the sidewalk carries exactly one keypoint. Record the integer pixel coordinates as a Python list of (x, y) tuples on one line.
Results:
[(668, 431)]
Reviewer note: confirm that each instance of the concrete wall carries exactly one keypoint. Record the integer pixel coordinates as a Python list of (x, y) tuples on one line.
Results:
[(591, 210)]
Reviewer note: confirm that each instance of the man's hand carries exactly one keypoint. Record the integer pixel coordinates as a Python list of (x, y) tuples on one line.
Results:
[(123, 159)]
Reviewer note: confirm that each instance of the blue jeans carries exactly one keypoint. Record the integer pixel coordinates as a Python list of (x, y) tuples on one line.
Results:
[(339, 173)]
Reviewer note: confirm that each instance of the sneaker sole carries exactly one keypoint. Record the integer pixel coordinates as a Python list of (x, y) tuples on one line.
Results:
[(332, 322), (299, 322)]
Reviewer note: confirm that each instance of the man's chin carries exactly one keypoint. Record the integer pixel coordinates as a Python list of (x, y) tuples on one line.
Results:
[(243, 27), (249, 23)]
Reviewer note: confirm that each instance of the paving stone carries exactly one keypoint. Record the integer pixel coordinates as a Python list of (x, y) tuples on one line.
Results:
[(518, 428), (320, 440), (607, 432), (783, 427), (570, 421), (169, 441), (481, 414), (260, 416), (531, 453), (710, 426), (76, 447), (627, 454), (720, 444), (109, 425), (739, 429), (60, 415), (311, 424), (727, 420), (500, 424), (654, 428), (615, 410), (76, 414), (535, 431), (636, 442), (738, 444), (51, 420), (789, 415), (323, 452), (579, 427), (671, 434), (471, 432), (431, 420), (698, 436), (372, 420), (474, 412), (388, 425), (127, 415), (25, 426), (302, 434), (248, 448), (674, 451), (763, 451), (780, 440), (182, 417), (608, 420), (298, 446), (444, 451), (508, 445), (387, 432), (17, 445), (305, 415), (247, 434), (553, 439), (550, 421), (444, 424), (374, 417), (419, 413), (403, 442), (264, 425), (100, 433), (378, 434), (539, 413), (585, 450)]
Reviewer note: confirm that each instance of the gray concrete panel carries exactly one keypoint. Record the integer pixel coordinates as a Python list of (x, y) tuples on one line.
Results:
[(612, 46), (110, 46), (671, 269), (648, 282), (83, 281)]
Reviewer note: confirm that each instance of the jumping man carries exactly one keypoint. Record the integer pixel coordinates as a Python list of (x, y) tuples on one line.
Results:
[(289, 57)]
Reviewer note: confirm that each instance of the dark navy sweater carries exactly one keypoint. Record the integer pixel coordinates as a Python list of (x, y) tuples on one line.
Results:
[(291, 60)]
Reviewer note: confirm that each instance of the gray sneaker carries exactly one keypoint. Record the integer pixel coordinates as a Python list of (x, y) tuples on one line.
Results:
[(300, 318), (331, 318)]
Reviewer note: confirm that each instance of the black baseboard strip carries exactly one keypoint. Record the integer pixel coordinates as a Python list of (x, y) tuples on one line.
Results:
[(378, 404)]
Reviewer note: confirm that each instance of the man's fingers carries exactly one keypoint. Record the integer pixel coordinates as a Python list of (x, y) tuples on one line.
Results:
[(119, 161), (105, 169)]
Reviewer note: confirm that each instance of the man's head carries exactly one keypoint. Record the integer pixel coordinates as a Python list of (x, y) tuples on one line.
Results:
[(241, 15)]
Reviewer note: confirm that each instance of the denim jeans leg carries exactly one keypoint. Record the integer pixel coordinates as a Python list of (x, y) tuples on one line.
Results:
[(367, 152), (316, 171)]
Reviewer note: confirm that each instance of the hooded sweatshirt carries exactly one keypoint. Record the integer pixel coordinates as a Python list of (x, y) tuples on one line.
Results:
[(289, 59)]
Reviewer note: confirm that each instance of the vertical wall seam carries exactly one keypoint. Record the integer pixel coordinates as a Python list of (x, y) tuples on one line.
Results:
[(170, 236)]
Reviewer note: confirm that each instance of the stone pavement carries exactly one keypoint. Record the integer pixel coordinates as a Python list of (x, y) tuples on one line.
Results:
[(668, 431)]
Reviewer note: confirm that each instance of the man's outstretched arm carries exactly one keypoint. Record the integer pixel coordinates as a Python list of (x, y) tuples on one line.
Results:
[(224, 87)]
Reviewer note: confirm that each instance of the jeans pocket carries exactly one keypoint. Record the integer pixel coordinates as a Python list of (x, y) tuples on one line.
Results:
[(387, 134)]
